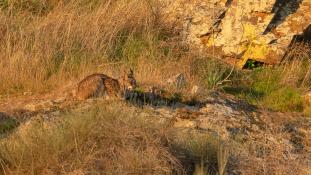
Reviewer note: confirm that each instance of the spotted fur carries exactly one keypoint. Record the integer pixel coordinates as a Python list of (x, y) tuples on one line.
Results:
[(98, 85), (101, 85)]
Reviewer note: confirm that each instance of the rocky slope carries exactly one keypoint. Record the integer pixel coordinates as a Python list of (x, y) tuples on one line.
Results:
[(260, 142), (260, 30)]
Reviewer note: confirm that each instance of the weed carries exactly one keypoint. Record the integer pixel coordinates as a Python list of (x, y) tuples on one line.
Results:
[(208, 153), (212, 72)]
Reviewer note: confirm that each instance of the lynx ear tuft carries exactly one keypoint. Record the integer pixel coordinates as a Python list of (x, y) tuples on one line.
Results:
[(130, 73)]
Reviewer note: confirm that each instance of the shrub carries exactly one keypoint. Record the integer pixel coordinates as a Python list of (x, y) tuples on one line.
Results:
[(212, 73)]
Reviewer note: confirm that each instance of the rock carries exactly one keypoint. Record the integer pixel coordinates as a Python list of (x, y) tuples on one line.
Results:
[(31, 107), (59, 100), (177, 80), (41, 105), (259, 30), (180, 123), (26, 93), (195, 90), (77, 172), (207, 108), (255, 128), (307, 98)]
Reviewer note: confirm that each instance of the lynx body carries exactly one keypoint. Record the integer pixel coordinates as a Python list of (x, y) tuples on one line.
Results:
[(101, 85)]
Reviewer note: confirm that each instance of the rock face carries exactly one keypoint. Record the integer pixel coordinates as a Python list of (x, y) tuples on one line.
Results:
[(260, 30)]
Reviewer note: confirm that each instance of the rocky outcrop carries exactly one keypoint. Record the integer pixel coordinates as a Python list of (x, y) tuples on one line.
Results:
[(260, 30)]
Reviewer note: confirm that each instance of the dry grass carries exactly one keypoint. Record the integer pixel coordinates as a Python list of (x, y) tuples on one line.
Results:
[(40, 49), (202, 153), (102, 140), (46, 44), (297, 67)]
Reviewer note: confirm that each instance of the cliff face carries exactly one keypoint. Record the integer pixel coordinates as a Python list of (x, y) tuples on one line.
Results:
[(261, 30)]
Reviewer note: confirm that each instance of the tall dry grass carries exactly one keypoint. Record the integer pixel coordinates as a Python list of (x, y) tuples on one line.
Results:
[(45, 43), (297, 66), (102, 140)]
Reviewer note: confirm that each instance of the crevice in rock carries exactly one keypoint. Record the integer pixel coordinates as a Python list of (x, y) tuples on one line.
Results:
[(217, 21), (251, 64), (228, 3)]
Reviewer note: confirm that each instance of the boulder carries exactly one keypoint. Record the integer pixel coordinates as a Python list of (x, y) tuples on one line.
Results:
[(261, 30)]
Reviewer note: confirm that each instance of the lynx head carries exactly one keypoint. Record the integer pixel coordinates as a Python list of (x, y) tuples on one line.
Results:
[(128, 81)]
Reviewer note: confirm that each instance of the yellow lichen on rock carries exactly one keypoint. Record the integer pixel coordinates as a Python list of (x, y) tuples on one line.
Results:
[(259, 30), (254, 46)]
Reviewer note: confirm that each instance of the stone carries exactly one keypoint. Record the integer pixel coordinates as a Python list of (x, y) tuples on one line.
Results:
[(307, 98), (177, 80), (180, 123), (41, 105), (207, 108), (31, 107), (195, 90), (26, 93), (59, 100)]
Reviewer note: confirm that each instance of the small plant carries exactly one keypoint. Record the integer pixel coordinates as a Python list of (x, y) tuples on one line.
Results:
[(207, 152), (251, 64), (212, 73)]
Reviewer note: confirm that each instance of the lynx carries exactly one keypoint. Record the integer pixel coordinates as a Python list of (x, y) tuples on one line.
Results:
[(101, 85), (128, 81)]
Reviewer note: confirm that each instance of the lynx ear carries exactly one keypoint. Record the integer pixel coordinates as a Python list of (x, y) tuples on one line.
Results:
[(131, 72)]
